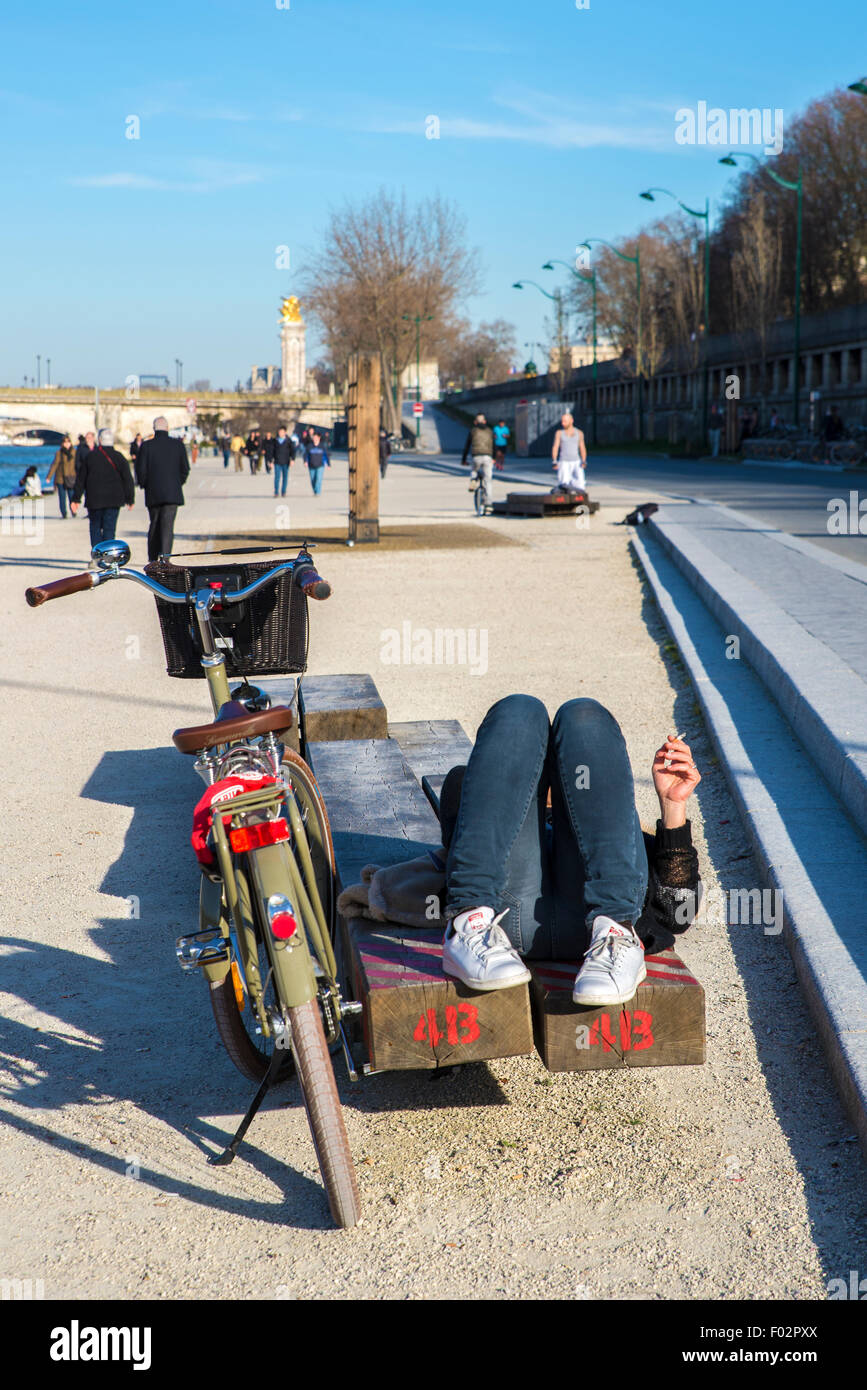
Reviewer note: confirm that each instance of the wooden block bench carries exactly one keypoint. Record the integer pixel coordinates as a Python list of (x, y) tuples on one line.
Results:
[(662, 1026), (382, 795), (331, 707), (543, 504), (414, 1015)]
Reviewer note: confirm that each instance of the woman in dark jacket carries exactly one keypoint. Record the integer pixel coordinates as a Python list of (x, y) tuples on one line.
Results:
[(105, 482)]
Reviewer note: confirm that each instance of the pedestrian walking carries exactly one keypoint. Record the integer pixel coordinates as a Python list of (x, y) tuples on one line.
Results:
[(86, 445), (284, 453), (225, 447), (480, 445), (501, 440), (569, 454), (163, 470), (254, 450), (134, 450), (237, 450), (384, 452), (105, 482), (268, 450), (317, 460), (62, 471), (714, 428), (194, 449)]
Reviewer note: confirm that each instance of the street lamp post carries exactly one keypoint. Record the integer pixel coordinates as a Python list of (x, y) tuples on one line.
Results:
[(798, 188), (48, 371), (636, 261), (693, 212), (591, 280), (555, 298), (38, 370), (418, 320)]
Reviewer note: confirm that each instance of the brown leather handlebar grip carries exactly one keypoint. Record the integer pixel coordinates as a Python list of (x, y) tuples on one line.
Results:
[(72, 584)]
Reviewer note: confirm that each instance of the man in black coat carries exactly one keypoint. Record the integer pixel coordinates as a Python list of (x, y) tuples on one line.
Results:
[(105, 482), (162, 468)]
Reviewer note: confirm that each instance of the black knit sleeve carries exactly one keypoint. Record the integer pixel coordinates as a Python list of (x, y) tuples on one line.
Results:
[(675, 882)]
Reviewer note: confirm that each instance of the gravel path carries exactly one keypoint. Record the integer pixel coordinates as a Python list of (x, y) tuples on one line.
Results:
[(738, 1179)]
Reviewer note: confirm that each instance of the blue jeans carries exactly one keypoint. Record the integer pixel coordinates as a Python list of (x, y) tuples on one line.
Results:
[(281, 470), (502, 855), (226, 456), (64, 495), (103, 524), (316, 479)]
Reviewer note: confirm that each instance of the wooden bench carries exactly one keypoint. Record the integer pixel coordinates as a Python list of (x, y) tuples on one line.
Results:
[(414, 1015), (543, 504), (382, 795)]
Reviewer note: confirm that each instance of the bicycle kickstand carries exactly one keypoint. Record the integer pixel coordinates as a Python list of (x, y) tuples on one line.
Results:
[(230, 1152)]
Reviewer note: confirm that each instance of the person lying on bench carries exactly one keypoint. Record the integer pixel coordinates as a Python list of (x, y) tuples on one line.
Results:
[(589, 884)]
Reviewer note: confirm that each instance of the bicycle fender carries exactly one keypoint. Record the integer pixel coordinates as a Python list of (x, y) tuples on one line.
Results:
[(211, 917), (293, 963)]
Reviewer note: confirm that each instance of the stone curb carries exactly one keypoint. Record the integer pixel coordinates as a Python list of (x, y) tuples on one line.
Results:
[(834, 984), (820, 695)]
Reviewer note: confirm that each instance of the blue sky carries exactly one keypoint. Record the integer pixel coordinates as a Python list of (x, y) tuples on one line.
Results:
[(120, 255)]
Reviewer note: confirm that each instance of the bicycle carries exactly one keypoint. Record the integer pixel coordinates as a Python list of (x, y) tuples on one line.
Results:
[(261, 833)]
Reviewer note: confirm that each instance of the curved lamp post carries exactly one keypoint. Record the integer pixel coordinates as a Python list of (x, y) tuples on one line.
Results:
[(694, 212), (556, 297), (591, 280), (796, 187), (636, 261)]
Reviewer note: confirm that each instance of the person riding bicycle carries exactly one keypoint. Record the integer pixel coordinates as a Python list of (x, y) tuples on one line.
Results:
[(569, 454), (480, 444)]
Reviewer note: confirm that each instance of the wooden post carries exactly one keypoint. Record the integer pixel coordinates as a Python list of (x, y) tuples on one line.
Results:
[(363, 426)]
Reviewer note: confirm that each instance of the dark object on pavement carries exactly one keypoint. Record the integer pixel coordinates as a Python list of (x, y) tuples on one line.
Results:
[(640, 515)]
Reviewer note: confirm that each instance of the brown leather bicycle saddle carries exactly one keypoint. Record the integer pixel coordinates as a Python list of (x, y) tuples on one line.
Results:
[(233, 722)]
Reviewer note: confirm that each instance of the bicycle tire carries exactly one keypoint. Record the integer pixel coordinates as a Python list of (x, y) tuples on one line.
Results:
[(477, 501), (324, 1113)]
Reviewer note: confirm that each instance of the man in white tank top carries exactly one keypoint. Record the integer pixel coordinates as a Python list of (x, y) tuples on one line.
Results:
[(569, 453)]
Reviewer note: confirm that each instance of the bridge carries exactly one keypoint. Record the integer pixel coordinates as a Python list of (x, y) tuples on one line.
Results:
[(58, 410)]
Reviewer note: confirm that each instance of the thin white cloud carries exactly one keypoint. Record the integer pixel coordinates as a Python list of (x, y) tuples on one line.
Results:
[(554, 122), (205, 177)]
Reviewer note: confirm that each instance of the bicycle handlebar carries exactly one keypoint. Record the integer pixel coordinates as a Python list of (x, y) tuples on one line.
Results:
[(306, 577), (58, 588)]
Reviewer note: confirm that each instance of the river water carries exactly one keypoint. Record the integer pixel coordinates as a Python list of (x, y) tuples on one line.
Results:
[(15, 459)]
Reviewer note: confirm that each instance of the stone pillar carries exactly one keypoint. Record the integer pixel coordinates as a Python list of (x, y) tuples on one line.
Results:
[(294, 358), (826, 371)]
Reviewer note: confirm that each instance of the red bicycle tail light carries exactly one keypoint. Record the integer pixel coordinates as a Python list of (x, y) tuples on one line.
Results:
[(283, 925), (266, 832), (281, 917)]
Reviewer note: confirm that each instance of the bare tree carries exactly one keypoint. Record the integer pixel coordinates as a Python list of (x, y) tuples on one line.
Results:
[(755, 270), (381, 260), (477, 354)]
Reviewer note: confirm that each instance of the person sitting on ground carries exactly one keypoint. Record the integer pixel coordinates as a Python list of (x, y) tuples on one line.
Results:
[(519, 881), (30, 484), (569, 453)]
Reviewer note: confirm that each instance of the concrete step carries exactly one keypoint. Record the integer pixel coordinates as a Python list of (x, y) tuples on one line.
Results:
[(809, 850), (799, 614)]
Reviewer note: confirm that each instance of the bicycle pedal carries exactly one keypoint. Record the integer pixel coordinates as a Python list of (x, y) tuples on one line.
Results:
[(201, 948)]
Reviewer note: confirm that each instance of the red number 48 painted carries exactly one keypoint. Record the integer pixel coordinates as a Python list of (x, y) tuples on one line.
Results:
[(461, 1026)]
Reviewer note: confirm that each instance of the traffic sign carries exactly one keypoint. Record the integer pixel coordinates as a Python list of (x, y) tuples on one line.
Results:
[(192, 405), (418, 407)]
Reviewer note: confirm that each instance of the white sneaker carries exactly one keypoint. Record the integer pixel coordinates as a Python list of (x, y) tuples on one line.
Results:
[(477, 951), (613, 966)]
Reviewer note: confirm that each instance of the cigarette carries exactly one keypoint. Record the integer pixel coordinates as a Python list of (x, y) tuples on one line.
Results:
[(666, 762)]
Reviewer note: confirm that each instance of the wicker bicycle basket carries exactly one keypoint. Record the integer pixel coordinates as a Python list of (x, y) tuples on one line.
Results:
[(266, 635)]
